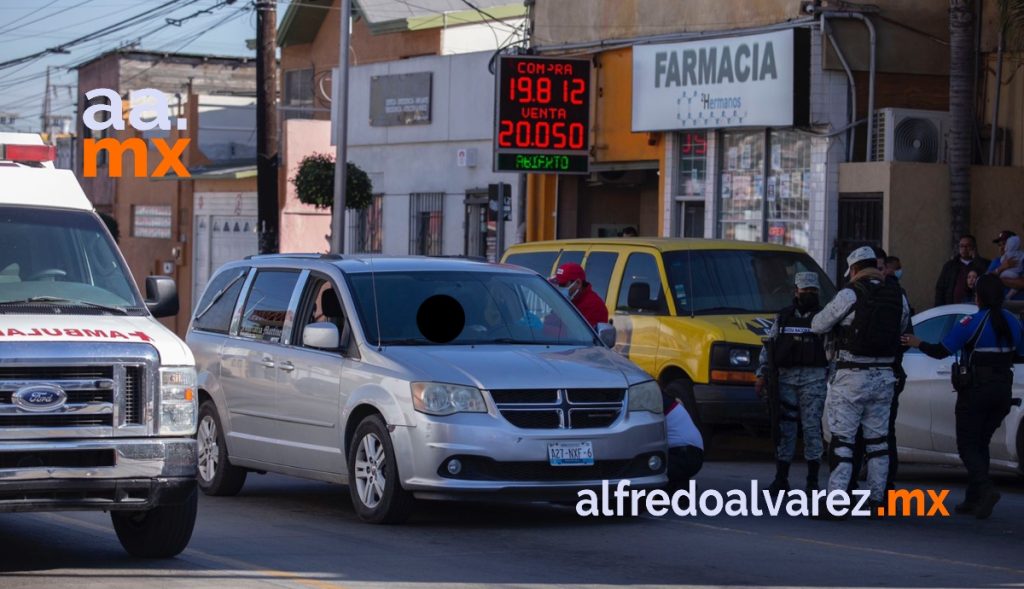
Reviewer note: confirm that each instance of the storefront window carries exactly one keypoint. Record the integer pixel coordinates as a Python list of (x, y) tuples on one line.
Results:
[(789, 198), (741, 202), (691, 184), (777, 211)]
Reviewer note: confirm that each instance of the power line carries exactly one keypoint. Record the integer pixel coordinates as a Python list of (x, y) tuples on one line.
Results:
[(37, 10), (114, 28)]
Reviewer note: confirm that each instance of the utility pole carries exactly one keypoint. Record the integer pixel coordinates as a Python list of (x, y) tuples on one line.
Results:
[(340, 104), (46, 107), (268, 211)]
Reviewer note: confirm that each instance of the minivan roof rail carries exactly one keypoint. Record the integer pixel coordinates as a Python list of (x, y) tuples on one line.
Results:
[(295, 256)]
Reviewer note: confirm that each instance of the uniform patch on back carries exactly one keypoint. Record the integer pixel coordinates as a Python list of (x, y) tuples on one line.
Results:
[(966, 320)]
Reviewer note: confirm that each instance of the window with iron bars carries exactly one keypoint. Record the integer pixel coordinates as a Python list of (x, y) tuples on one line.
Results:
[(367, 227), (426, 223)]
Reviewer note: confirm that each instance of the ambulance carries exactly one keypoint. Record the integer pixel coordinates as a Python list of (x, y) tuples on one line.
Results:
[(97, 397)]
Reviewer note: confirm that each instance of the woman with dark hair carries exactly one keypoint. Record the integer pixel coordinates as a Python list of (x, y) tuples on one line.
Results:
[(988, 340)]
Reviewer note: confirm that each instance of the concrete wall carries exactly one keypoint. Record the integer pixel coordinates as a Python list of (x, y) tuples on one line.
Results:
[(996, 204), (570, 21), (422, 158), (304, 228), (917, 218)]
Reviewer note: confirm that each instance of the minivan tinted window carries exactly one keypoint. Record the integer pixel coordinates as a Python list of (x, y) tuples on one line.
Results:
[(499, 308), (708, 282), (267, 305), (213, 313)]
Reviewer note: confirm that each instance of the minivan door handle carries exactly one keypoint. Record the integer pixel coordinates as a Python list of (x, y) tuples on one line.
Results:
[(267, 361), (286, 366)]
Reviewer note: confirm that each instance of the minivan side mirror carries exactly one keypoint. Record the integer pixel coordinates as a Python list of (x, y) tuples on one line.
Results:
[(606, 333), (323, 335), (161, 296)]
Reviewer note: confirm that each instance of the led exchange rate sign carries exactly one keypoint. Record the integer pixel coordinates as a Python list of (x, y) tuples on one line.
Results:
[(542, 122)]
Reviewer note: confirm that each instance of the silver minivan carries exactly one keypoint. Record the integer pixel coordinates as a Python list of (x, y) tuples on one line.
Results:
[(413, 378)]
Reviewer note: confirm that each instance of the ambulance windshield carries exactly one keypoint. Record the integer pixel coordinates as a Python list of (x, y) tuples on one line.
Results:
[(52, 258)]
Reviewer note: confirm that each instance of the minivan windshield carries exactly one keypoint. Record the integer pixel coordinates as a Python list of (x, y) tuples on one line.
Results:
[(500, 308), (62, 257), (709, 282)]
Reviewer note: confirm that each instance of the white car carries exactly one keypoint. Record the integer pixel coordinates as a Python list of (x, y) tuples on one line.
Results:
[(926, 424)]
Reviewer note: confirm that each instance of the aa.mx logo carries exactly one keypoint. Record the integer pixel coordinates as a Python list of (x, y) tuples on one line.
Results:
[(149, 111)]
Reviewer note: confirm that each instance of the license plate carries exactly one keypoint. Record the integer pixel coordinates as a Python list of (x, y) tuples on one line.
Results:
[(571, 454)]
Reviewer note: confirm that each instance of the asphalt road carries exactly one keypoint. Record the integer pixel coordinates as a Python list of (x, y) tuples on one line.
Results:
[(287, 532)]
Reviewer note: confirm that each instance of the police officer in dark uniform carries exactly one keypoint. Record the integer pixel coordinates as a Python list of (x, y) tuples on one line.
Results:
[(988, 341)]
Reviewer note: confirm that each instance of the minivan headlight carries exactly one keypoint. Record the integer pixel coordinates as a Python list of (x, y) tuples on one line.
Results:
[(645, 396), (434, 398), (177, 401)]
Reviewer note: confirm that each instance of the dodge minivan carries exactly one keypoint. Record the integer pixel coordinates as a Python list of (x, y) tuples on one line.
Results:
[(413, 378)]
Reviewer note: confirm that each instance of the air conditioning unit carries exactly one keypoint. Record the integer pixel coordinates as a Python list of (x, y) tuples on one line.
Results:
[(907, 135)]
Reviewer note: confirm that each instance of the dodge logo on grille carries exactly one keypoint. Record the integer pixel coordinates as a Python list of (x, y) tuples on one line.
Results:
[(38, 398)]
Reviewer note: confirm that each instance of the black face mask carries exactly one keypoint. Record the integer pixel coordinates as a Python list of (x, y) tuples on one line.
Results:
[(807, 301)]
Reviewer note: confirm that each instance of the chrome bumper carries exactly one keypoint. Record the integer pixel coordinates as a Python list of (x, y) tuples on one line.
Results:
[(143, 473)]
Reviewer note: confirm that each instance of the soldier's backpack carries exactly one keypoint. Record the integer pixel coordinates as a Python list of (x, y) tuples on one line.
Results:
[(877, 314)]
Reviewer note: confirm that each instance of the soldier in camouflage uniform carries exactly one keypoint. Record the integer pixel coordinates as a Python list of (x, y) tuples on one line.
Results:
[(864, 323), (793, 360)]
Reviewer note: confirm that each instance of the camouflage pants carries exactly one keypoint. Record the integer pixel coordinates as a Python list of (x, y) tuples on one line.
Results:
[(803, 403), (859, 398)]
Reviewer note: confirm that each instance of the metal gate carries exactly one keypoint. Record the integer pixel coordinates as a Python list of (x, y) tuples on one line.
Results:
[(860, 223)]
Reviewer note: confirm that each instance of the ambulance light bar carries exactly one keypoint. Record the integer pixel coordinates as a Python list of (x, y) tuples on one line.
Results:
[(28, 153)]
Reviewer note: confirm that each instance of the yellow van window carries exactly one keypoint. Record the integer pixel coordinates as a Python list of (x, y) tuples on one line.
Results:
[(540, 262), (641, 287), (735, 281), (599, 269)]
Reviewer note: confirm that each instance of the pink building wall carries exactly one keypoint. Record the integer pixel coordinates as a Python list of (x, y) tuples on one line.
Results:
[(304, 228)]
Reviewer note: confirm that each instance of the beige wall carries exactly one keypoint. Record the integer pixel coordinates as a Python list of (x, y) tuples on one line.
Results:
[(898, 49), (303, 227), (917, 219), (570, 21), (997, 204)]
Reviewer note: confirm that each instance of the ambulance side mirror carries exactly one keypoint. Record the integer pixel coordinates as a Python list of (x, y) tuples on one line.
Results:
[(161, 296)]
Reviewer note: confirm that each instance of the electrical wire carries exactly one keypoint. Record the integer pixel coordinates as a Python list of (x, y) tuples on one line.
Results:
[(109, 30)]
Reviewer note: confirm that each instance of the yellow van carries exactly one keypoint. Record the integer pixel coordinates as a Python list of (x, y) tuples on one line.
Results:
[(691, 312)]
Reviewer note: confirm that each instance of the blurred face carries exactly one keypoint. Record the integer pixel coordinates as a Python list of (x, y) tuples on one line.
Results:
[(966, 248), (1002, 247), (972, 279), (892, 269), (571, 289)]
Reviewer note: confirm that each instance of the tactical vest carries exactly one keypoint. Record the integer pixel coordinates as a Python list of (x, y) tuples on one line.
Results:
[(796, 345), (877, 318)]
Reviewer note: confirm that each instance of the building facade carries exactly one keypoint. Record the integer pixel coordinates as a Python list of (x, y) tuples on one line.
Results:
[(421, 122)]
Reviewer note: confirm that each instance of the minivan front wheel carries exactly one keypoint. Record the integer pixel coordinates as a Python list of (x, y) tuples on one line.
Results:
[(216, 475), (373, 481)]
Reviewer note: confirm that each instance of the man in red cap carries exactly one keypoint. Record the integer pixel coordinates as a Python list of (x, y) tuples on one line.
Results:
[(572, 281)]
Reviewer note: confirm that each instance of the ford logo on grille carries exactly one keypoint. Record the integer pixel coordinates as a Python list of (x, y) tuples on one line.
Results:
[(39, 398)]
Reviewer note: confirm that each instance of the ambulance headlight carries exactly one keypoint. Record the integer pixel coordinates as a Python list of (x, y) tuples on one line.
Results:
[(177, 403)]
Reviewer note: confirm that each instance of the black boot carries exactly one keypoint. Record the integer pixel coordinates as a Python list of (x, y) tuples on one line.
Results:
[(813, 466), (781, 482)]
